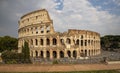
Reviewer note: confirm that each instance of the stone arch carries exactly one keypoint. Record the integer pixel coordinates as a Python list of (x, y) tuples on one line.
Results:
[(36, 42), (69, 53), (68, 41), (85, 53), (82, 53), (41, 54), (36, 53), (54, 41), (85, 42), (47, 54), (41, 41), (92, 52), (77, 42), (62, 41), (81, 36), (89, 52), (81, 42), (61, 54), (48, 41), (48, 29), (31, 42), (75, 54), (54, 54)]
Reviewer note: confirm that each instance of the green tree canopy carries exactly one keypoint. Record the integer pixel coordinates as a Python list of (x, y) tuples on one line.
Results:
[(8, 43)]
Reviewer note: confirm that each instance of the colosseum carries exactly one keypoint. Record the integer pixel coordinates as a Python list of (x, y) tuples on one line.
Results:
[(37, 29)]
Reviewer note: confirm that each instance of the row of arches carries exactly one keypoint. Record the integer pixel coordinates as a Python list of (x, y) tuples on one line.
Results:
[(34, 30), (55, 54), (55, 41), (62, 54)]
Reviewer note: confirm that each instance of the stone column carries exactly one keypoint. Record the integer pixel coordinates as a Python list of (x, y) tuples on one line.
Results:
[(65, 53), (78, 54), (44, 53), (44, 41), (71, 53), (38, 41), (38, 53), (45, 29), (72, 43), (34, 53), (51, 28), (51, 54), (51, 41), (58, 54), (58, 40)]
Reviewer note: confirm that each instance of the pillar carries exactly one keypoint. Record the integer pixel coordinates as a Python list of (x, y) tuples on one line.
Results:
[(44, 41), (51, 54), (44, 53), (45, 29), (58, 54)]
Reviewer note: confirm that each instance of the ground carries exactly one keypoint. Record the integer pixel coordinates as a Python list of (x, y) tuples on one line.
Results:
[(51, 68)]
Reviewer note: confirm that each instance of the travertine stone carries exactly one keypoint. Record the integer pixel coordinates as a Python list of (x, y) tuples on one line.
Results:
[(37, 29)]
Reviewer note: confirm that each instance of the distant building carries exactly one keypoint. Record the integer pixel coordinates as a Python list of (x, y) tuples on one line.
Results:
[(37, 29)]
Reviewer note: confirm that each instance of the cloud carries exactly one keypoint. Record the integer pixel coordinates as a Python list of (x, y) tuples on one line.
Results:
[(81, 14), (117, 2), (66, 14)]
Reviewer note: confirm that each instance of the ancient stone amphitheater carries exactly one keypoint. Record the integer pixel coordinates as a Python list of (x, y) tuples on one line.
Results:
[(37, 29)]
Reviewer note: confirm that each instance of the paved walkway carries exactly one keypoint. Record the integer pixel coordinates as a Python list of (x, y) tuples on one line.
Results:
[(51, 68)]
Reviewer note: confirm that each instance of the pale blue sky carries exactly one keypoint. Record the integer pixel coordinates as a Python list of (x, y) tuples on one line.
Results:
[(102, 16)]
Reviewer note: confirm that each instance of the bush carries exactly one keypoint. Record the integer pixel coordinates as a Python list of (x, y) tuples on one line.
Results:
[(55, 62), (12, 57)]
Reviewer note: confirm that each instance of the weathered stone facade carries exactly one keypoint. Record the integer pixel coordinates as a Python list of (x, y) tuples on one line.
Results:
[(37, 29)]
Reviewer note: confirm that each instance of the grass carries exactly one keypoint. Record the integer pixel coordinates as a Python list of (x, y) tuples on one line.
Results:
[(100, 71)]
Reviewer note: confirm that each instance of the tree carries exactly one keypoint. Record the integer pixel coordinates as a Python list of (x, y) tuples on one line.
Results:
[(26, 52), (8, 43), (110, 41)]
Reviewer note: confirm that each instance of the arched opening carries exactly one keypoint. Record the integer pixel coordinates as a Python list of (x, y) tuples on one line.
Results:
[(69, 53), (42, 29), (48, 41), (92, 52), (41, 54), (81, 36), (85, 42), (48, 29), (81, 42), (61, 54), (41, 41), (88, 42), (89, 52), (31, 42), (36, 53), (82, 54), (36, 30), (54, 54), (48, 54), (68, 41), (85, 53), (36, 42), (54, 41), (77, 42), (62, 41), (74, 54)]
